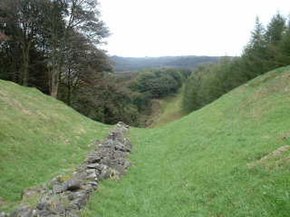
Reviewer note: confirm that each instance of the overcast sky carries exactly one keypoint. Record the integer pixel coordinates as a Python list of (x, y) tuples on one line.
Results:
[(184, 27)]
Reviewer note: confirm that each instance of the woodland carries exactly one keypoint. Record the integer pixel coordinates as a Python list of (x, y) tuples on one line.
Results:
[(56, 47)]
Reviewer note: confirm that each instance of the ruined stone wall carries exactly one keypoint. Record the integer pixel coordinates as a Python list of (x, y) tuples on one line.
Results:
[(67, 198)]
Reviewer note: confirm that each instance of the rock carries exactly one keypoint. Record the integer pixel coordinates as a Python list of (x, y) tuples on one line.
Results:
[(121, 147), (114, 174), (105, 173), (3, 214), (24, 211), (80, 199), (43, 205), (127, 164), (94, 184), (108, 143), (58, 206), (72, 214), (90, 171), (58, 188), (91, 176), (45, 213), (94, 158), (93, 166), (72, 185)]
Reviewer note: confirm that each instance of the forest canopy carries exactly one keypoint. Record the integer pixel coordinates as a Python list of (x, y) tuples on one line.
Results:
[(51, 44)]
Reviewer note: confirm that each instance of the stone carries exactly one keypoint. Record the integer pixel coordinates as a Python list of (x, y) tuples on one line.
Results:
[(58, 188), (94, 184), (94, 158), (127, 164), (72, 185), (90, 171), (72, 214), (80, 199), (43, 205), (92, 176), (3, 214), (121, 147), (93, 166), (45, 213), (24, 211), (108, 143), (105, 173)]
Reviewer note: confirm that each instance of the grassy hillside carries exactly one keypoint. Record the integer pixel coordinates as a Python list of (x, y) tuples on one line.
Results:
[(212, 162), (40, 137)]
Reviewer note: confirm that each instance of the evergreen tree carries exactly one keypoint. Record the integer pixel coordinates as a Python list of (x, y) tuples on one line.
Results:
[(284, 47), (275, 29), (255, 54), (273, 36)]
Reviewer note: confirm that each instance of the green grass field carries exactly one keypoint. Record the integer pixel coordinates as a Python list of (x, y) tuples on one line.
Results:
[(40, 138), (208, 163)]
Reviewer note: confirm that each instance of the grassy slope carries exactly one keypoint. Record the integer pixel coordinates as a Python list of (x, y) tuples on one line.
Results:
[(40, 137), (198, 166), (169, 110)]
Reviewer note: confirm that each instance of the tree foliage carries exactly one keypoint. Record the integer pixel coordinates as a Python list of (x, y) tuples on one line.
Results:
[(160, 83), (267, 49), (125, 97), (48, 43)]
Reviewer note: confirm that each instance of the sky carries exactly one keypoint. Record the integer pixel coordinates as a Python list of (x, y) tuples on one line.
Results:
[(141, 28)]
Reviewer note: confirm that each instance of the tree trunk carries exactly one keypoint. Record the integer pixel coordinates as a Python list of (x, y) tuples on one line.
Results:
[(54, 82), (25, 64), (69, 87)]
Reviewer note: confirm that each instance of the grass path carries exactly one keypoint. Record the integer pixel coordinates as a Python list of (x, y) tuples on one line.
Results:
[(208, 163), (167, 110)]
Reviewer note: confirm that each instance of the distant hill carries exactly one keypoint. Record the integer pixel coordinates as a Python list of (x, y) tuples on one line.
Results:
[(131, 64)]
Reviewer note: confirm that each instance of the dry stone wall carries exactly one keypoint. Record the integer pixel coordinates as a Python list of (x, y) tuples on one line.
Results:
[(67, 197)]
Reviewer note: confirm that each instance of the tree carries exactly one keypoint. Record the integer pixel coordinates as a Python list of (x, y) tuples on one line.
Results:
[(190, 100), (19, 23), (82, 61), (284, 47), (275, 29), (274, 34), (67, 19), (254, 55)]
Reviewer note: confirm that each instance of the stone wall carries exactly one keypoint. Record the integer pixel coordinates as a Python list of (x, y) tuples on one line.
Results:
[(67, 197)]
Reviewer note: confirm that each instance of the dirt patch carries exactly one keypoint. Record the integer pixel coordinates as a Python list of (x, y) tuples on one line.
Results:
[(276, 159)]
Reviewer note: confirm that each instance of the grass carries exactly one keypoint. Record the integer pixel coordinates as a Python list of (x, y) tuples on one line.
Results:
[(169, 109), (40, 138), (199, 166)]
